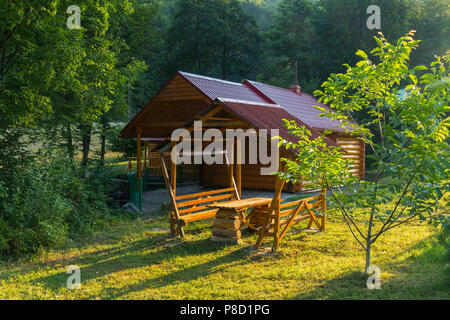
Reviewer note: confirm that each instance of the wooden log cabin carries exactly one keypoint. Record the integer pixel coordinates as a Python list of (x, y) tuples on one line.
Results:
[(185, 97)]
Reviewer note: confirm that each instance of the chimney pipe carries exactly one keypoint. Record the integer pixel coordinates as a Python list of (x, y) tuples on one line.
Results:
[(295, 87)]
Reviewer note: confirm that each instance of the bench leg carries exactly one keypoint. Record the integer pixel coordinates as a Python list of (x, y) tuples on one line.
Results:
[(176, 228), (172, 227), (322, 222), (180, 231), (262, 232), (310, 223)]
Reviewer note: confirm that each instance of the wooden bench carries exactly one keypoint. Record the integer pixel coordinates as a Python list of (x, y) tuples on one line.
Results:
[(194, 207)]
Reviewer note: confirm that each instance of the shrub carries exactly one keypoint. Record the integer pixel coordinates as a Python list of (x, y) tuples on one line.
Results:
[(33, 215), (51, 200)]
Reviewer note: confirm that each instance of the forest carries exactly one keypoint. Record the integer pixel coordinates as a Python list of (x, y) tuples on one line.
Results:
[(65, 93)]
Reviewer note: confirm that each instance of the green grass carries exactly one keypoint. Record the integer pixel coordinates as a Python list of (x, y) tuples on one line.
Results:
[(136, 260)]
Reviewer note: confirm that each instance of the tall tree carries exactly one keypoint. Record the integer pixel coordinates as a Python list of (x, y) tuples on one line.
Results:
[(431, 19), (323, 35), (212, 37)]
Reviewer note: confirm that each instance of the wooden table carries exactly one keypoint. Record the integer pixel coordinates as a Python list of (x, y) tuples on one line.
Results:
[(230, 218)]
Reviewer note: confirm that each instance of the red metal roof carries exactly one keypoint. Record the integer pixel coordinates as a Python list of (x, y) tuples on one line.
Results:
[(268, 116), (300, 105), (215, 88)]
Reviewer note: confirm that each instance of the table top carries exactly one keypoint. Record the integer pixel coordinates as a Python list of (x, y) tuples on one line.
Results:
[(242, 204)]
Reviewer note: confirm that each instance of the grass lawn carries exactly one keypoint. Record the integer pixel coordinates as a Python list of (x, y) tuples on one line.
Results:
[(138, 260)]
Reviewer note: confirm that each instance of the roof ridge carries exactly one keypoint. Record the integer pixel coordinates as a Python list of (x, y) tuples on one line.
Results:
[(253, 103), (209, 78), (285, 89)]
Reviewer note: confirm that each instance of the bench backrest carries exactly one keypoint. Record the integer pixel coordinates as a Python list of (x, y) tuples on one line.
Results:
[(192, 207)]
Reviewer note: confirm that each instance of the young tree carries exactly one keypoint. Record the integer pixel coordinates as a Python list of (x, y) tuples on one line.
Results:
[(406, 134)]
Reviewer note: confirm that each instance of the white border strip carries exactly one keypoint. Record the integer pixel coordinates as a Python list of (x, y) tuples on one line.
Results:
[(272, 105)]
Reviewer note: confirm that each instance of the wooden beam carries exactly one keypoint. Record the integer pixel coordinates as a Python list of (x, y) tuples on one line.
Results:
[(171, 196), (145, 153), (139, 155), (230, 170), (173, 171), (276, 238), (238, 169)]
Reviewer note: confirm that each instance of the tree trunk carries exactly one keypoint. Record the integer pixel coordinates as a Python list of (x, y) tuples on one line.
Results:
[(86, 146), (69, 141), (369, 235), (105, 128), (103, 149), (367, 256)]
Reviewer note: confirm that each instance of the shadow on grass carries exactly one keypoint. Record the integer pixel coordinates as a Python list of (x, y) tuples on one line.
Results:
[(185, 275), (153, 251), (425, 276)]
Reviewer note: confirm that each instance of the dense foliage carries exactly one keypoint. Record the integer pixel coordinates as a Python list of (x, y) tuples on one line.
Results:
[(50, 201)]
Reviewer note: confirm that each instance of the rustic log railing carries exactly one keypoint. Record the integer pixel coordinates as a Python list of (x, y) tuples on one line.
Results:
[(281, 216)]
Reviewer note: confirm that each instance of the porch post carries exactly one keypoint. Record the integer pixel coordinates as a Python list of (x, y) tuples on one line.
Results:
[(145, 154), (173, 171), (279, 184), (230, 169), (139, 154), (139, 167), (238, 167)]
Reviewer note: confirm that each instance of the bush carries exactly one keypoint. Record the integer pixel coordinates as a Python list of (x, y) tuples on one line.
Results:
[(33, 215), (50, 201)]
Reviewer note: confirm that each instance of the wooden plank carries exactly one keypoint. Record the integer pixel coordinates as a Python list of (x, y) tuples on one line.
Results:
[(231, 224), (242, 204), (235, 234), (199, 216), (309, 199), (199, 194), (203, 200), (225, 239), (192, 209), (227, 214)]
